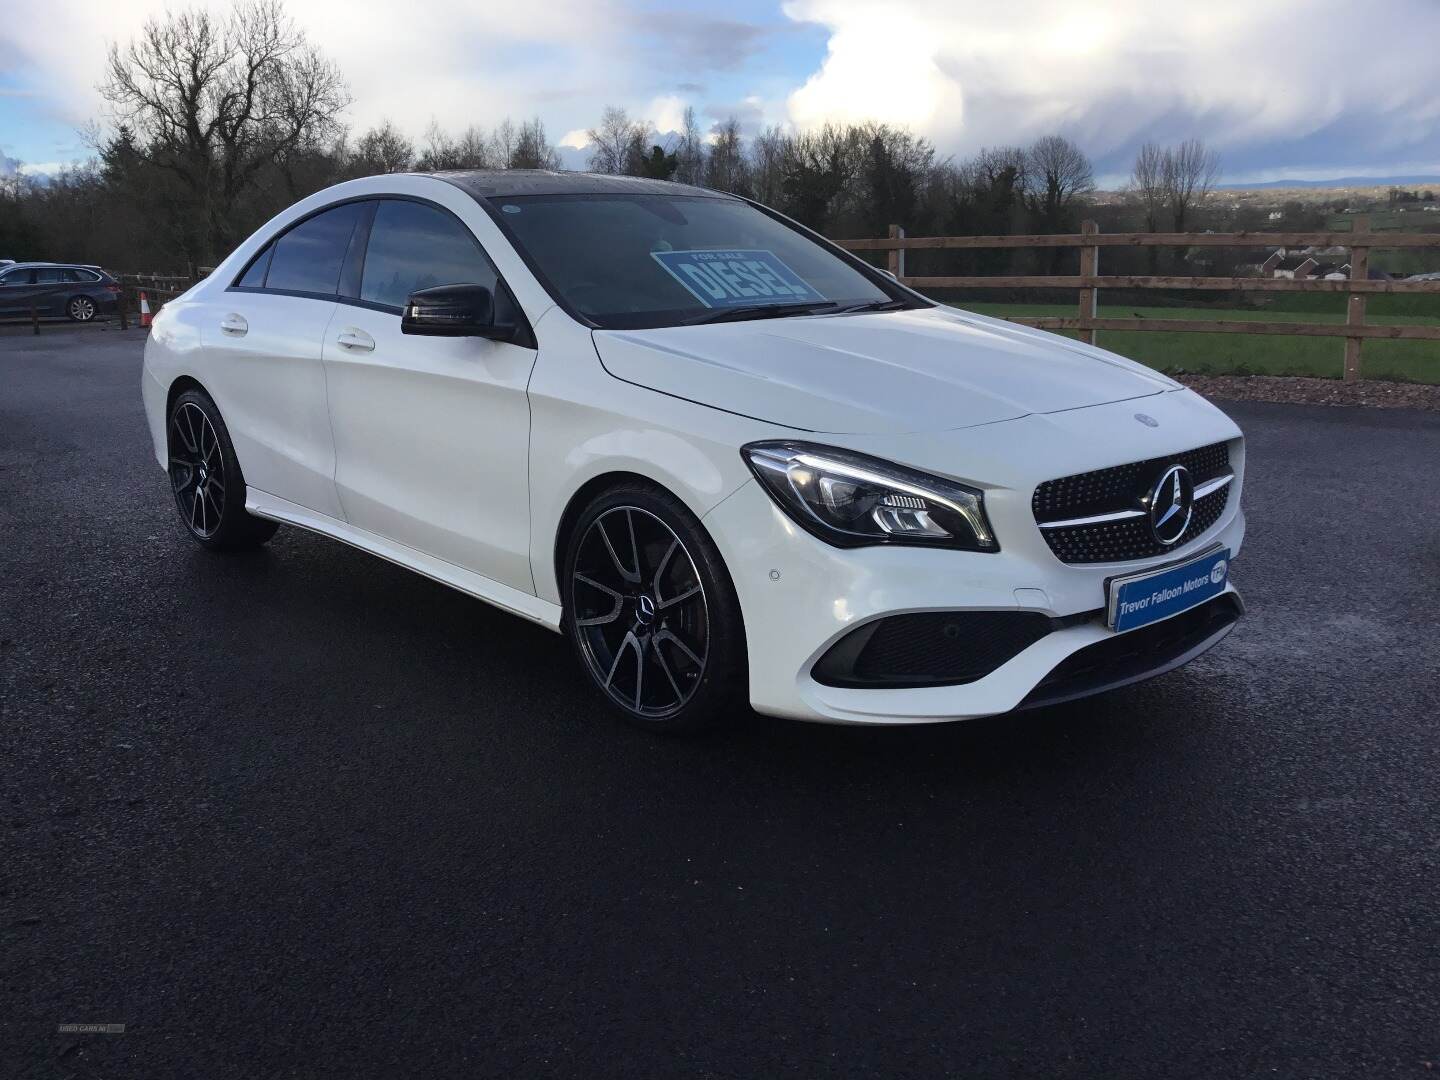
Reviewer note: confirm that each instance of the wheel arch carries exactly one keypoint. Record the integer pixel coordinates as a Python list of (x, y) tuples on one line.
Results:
[(178, 386), (580, 499)]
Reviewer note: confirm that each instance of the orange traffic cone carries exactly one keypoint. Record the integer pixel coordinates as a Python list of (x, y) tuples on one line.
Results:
[(144, 310)]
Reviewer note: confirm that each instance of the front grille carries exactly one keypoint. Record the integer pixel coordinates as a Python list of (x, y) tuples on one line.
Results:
[(930, 648), (1125, 487)]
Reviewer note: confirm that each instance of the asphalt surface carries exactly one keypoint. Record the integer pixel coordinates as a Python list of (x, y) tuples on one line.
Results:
[(303, 814)]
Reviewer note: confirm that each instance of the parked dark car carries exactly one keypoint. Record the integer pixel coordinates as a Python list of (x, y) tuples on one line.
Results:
[(78, 292)]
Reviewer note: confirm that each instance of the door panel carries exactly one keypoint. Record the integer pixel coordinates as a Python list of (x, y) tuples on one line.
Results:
[(15, 294), (50, 291), (431, 433), (265, 372), (431, 438)]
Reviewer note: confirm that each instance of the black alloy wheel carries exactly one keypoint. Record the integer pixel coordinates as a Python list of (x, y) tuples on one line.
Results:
[(205, 477), (197, 470), (655, 624)]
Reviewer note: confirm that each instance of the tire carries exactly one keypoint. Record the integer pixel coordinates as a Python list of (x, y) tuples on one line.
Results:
[(651, 611), (80, 308), (206, 479)]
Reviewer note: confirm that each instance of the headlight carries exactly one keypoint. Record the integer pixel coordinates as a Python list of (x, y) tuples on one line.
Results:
[(851, 500)]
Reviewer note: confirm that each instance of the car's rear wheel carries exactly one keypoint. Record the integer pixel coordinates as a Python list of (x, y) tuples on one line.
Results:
[(651, 611), (80, 308), (206, 478)]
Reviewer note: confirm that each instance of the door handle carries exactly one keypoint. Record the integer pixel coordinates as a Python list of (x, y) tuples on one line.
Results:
[(358, 340), (234, 324)]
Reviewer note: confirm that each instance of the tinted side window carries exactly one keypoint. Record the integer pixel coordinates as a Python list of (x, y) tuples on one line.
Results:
[(309, 257), (18, 277), (414, 246), (48, 277), (254, 276), (78, 275)]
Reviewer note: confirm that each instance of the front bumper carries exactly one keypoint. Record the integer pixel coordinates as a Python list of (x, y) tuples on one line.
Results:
[(801, 596)]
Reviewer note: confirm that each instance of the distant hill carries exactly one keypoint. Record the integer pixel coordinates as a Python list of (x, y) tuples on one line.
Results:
[(1339, 182)]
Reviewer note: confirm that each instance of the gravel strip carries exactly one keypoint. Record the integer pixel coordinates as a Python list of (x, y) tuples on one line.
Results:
[(1292, 390)]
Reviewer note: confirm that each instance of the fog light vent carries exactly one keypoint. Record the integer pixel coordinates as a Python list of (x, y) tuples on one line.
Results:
[(929, 648)]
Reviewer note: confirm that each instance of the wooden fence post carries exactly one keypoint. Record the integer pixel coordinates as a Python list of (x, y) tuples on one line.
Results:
[(1089, 268), (124, 318), (1355, 310), (35, 317), (895, 257)]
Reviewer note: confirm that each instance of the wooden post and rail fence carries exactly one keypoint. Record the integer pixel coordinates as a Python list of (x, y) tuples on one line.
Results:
[(158, 288), (1355, 330), (1360, 241)]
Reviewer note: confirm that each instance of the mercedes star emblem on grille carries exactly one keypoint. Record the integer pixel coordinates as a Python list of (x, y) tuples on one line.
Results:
[(1171, 503)]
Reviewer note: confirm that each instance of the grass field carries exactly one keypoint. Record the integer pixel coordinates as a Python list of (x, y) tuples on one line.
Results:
[(1260, 354)]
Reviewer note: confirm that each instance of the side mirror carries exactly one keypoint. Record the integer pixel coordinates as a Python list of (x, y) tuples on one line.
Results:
[(454, 311)]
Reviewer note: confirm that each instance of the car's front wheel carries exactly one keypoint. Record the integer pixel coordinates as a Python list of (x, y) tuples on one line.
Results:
[(206, 478), (651, 611)]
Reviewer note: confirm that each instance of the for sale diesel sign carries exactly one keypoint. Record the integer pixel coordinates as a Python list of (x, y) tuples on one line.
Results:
[(736, 278)]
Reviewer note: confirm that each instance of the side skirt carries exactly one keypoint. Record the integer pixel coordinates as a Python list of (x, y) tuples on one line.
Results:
[(263, 504)]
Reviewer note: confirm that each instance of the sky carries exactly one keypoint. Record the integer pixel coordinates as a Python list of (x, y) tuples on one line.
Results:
[(1302, 89)]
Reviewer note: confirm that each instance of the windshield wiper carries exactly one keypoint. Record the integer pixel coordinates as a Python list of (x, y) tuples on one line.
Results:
[(873, 305), (762, 311)]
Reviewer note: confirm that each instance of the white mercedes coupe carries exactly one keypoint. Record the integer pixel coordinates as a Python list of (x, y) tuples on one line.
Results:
[(724, 457)]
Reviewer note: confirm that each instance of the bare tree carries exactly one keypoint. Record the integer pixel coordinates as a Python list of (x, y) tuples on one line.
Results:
[(619, 143), (769, 151), (1148, 183), (1189, 174), (726, 167), (1059, 171), (382, 149), (502, 142), (1008, 166), (819, 166), (218, 101), (532, 149), (690, 153), (472, 150)]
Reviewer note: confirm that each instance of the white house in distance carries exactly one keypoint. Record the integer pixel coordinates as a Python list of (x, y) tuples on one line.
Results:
[(1303, 264)]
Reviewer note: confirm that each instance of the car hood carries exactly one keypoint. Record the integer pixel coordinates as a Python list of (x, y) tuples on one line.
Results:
[(928, 369)]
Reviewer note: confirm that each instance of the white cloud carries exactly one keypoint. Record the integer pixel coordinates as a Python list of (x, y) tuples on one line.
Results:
[(667, 113), (1239, 73), (1275, 84)]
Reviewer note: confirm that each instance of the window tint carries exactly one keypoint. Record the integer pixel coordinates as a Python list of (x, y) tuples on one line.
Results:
[(254, 277), (18, 277), (414, 246), (309, 257), (70, 274), (48, 276)]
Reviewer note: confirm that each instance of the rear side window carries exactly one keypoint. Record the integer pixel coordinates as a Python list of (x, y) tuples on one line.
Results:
[(49, 277), (414, 246), (254, 277), (310, 256), (79, 275)]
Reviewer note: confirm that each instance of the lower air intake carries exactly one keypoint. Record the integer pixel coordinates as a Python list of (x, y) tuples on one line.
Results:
[(930, 648)]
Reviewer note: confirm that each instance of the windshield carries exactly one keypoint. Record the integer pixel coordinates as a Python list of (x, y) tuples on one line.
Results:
[(634, 261)]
